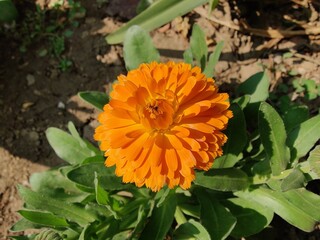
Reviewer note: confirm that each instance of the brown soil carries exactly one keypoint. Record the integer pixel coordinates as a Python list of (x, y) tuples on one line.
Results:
[(35, 94)]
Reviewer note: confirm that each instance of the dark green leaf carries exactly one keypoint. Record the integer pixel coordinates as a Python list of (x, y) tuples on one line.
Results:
[(199, 46), (8, 11), (64, 209), (314, 160), (277, 202), (138, 48), (237, 139), (252, 217), (143, 213), (191, 230), (44, 218), (67, 147), (273, 137), (103, 197), (295, 179), (160, 220), (303, 137), (23, 224), (96, 99), (218, 221), (222, 179), (213, 59), (257, 86), (295, 116), (158, 14), (84, 175)]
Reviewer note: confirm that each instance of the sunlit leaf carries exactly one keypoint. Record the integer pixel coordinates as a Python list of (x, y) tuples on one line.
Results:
[(303, 137), (199, 46), (213, 4), (230, 179), (138, 48), (295, 179), (158, 14), (213, 60), (314, 160), (96, 99), (44, 218), (295, 116), (273, 137), (187, 56)]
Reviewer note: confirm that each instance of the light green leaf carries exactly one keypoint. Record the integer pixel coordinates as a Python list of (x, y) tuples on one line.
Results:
[(63, 209), (213, 59), (295, 116), (303, 137), (44, 218), (160, 220), (277, 202), (273, 137), (218, 221), (242, 101), (252, 217), (295, 179), (257, 86), (138, 48), (237, 139), (222, 179), (187, 56), (191, 230), (305, 200), (314, 160), (158, 14), (84, 175), (199, 46), (96, 99), (67, 147), (213, 4)]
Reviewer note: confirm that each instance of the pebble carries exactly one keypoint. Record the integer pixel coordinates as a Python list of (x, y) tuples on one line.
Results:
[(30, 80), (61, 105)]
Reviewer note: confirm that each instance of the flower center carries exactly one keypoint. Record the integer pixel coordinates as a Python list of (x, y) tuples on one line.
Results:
[(157, 114)]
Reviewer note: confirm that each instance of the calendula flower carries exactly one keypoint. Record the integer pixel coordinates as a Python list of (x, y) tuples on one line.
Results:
[(162, 122)]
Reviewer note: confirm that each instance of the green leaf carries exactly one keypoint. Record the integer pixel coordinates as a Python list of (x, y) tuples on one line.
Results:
[(96, 99), (187, 56), (67, 210), (23, 224), (222, 179), (199, 46), (138, 48), (8, 11), (257, 86), (273, 137), (160, 220), (303, 137), (237, 139), (191, 230), (277, 202), (84, 175), (213, 4), (142, 218), (103, 197), (295, 179), (143, 5), (67, 147), (295, 116), (314, 160), (252, 217), (242, 101), (158, 14), (305, 200), (218, 221), (213, 60), (44, 218)]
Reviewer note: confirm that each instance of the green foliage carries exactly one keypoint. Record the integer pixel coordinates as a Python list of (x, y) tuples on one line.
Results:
[(264, 171), (8, 11)]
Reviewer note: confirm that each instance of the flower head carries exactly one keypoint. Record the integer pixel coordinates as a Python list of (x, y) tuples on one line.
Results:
[(162, 122)]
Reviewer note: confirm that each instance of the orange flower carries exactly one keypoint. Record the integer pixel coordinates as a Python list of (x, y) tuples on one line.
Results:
[(162, 122)]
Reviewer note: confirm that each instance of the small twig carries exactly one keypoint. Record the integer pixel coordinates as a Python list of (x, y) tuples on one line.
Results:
[(307, 58), (269, 33)]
